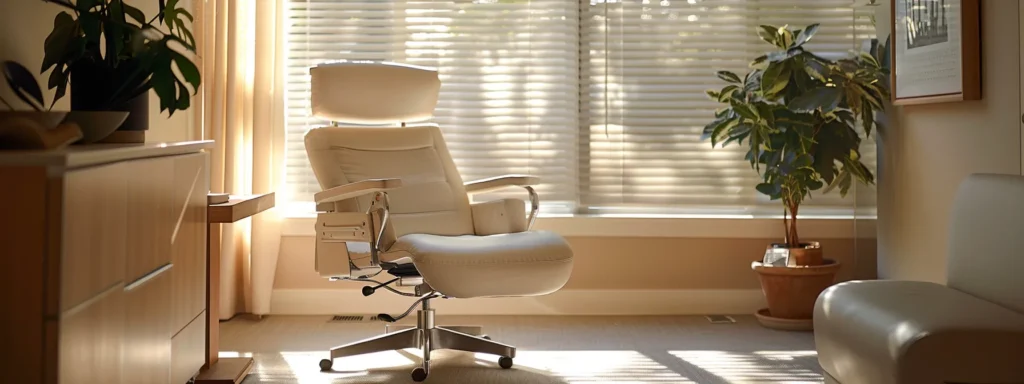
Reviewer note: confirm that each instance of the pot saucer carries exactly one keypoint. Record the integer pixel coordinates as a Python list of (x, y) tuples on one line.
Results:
[(768, 321)]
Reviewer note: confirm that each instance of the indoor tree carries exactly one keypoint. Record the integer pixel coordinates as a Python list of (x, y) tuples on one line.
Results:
[(798, 113)]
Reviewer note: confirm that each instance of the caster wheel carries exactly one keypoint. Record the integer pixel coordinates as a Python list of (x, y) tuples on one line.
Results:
[(486, 337), (419, 374), (505, 362), (325, 364)]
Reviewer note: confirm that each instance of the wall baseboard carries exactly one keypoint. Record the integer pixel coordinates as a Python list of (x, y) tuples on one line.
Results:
[(566, 302)]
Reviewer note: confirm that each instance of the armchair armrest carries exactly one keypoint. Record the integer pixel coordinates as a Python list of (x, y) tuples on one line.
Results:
[(498, 182), (356, 189)]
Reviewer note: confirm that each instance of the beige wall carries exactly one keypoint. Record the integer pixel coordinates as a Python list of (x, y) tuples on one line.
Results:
[(24, 25), (623, 263), (931, 148)]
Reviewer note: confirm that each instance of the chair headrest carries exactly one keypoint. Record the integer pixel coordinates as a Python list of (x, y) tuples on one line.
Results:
[(373, 93)]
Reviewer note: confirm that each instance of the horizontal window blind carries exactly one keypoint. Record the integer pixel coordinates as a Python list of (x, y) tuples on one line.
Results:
[(646, 64), (603, 100), (509, 72)]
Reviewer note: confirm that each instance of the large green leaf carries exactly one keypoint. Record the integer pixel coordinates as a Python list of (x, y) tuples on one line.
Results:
[(785, 39), (738, 134), (775, 78), (725, 129), (729, 76), (710, 128), (806, 34), (727, 93), (164, 83), (867, 118), (188, 70), (744, 110), (769, 189), (135, 14), (56, 45), (824, 99), (769, 34)]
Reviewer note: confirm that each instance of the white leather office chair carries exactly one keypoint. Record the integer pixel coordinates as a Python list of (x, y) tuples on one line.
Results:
[(393, 202)]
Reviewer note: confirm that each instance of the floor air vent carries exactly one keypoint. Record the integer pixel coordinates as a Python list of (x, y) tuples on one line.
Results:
[(353, 318), (720, 319), (347, 318)]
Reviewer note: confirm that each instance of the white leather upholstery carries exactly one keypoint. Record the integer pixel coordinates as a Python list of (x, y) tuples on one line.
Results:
[(969, 331), (499, 216), (432, 198), (460, 250), (368, 93), (516, 264)]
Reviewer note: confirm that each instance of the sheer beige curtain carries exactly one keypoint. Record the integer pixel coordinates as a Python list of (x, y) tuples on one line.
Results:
[(241, 46)]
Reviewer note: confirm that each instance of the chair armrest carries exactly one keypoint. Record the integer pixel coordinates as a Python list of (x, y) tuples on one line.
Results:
[(356, 189), (498, 182)]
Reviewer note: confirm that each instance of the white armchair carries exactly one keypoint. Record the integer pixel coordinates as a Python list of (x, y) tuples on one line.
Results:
[(393, 201)]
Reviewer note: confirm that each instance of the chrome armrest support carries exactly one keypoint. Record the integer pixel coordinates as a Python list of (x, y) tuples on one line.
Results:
[(534, 207), (380, 203)]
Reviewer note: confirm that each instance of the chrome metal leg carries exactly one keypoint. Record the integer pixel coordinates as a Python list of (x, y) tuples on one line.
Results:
[(428, 337), (472, 330), (448, 339), (408, 338)]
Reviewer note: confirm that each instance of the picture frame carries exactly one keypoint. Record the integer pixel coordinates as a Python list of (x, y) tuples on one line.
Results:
[(936, 51)]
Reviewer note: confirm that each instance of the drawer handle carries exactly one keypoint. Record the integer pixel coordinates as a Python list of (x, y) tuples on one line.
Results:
[(148, 277)]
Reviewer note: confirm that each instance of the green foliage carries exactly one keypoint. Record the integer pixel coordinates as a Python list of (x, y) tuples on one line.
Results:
[(116, 38), (797, 114)]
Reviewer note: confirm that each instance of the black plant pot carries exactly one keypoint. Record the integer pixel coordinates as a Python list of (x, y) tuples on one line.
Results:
[(92, 87)]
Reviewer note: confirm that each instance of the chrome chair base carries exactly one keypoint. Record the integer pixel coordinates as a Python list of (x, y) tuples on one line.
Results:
[(426, 337)]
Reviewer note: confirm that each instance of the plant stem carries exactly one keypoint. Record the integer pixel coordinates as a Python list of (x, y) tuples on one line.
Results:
[(785, 224), (793, 236)]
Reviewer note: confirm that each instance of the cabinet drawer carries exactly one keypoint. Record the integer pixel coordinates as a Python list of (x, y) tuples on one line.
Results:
[(188, 350), (152, 215), (147, 343), (95, 221), (188, 243), (91, 337)]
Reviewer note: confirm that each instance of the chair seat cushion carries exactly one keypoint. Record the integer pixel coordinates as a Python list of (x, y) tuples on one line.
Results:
[(905, 331), (515, 264)]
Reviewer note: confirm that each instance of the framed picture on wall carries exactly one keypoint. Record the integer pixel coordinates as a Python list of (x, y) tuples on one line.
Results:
[(936, 51)]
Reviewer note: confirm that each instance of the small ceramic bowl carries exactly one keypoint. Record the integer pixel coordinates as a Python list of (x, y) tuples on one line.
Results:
[(96, 125)]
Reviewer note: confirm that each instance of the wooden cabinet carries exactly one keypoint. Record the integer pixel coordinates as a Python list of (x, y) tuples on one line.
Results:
[(104, 264), (188, 242), (91, 340), (147, 339), (94, 232)]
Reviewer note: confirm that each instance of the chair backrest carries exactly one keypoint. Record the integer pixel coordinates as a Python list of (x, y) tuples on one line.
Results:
[(986, 239), (432, 199)]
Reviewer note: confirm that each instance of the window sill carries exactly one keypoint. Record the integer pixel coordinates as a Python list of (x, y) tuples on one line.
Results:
[(811, 228)]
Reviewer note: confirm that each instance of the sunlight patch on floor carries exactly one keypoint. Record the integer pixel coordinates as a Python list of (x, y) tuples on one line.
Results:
[(790, 367), (304, 365), (620, 367)]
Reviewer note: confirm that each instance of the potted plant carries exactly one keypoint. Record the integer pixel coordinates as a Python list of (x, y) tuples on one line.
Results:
[(113, 55), (798, 115)]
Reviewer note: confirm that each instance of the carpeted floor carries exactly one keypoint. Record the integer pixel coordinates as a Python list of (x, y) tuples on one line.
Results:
[(551, 349)]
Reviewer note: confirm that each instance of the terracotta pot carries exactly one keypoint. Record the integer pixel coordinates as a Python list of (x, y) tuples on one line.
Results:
[(791, 291)]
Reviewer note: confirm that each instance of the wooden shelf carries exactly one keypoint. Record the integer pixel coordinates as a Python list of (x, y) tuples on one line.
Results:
[(239, 207)]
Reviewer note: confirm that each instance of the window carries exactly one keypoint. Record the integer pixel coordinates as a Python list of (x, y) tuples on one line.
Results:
[(603, 100)]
